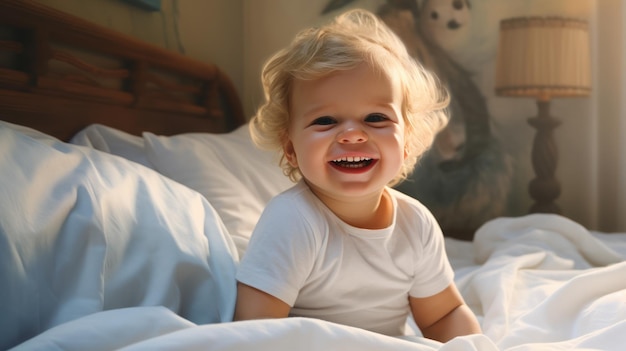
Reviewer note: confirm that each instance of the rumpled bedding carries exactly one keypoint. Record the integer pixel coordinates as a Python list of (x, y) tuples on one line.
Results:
[(97, 254), (531, 280)]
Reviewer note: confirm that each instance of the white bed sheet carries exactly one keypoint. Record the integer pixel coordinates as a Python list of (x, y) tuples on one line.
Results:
[(539, 282)]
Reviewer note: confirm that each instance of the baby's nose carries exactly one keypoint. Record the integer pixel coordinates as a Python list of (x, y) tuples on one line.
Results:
[(352, 135)]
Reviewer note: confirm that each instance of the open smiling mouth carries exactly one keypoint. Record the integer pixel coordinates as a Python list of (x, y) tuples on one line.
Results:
[(352, 162)]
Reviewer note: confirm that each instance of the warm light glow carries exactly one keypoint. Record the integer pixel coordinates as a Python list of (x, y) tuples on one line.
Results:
[(543, 57)]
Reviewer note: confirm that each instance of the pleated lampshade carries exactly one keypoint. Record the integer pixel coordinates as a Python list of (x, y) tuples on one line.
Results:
[(543, 57)]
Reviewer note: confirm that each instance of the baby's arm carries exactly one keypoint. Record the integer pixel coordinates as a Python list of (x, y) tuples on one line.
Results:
[(256, 304), (444, 316)]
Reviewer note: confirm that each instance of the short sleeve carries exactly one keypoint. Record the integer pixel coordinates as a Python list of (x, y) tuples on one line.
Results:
[(433, 272), (281, 252)]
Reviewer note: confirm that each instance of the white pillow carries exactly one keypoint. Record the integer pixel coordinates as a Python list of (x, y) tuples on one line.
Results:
[(113, 141), (82, 231), (235, 176)]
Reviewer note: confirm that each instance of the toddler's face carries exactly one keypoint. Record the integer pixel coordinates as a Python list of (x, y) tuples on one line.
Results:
[(347, 132)]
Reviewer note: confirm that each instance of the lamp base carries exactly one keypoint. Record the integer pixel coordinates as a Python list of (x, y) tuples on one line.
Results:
[(544, 188)]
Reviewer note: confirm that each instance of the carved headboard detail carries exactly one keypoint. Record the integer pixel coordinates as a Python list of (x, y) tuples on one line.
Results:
[(59, 73)]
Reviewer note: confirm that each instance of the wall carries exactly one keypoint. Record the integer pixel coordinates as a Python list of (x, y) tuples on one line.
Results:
[(212, 30), (269, 25), (610, 114)]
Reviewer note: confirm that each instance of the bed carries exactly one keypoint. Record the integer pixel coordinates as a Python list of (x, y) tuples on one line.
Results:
[(129, 188)]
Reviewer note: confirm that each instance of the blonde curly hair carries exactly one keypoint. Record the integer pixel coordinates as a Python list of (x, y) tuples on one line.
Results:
[(352, 38)]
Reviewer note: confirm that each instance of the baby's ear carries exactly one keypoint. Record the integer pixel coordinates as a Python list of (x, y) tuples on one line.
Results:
[(290, 153), (406, 145)]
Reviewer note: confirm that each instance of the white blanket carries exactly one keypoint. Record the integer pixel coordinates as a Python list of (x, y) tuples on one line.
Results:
[(546, 280), (539, 282)]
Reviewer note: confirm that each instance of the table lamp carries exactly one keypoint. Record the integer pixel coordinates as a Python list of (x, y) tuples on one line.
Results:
[(543, 58)]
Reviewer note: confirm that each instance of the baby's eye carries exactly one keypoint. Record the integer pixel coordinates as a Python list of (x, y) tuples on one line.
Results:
[(324, 121), (376, 117)]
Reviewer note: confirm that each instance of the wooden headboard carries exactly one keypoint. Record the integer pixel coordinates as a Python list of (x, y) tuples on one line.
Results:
[(60, 73)]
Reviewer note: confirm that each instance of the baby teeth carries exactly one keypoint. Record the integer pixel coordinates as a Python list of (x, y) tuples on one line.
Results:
[(352, 159)]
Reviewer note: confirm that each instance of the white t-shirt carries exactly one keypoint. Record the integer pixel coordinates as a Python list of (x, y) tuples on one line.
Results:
[(303, 254)]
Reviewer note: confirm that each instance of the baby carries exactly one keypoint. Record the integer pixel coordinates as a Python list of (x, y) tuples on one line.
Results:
[(350, 112)]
